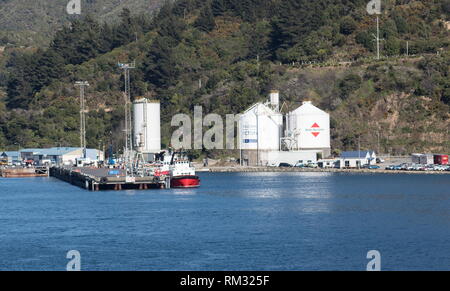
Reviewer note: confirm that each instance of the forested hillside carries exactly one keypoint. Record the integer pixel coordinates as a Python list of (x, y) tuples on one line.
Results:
[(33, 23), (227, 54)]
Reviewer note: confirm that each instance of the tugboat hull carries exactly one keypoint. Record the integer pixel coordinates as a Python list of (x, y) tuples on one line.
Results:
[(185, 182)]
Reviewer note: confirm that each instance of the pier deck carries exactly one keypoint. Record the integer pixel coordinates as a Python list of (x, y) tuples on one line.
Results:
[(94, 179)]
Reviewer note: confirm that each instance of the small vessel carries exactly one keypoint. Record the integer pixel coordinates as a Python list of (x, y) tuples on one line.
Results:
[(183, 173)]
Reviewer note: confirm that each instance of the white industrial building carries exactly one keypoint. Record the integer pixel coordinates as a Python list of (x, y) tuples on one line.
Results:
[(330, 163), (147, 126), (357, 159), (266, 140), (308, 128), (274, 158), (260, 129)]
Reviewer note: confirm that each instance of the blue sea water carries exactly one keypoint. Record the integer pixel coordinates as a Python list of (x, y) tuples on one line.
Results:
[(252, 221)]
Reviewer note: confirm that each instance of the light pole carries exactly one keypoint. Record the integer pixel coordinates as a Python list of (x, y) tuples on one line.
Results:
[(374, 7), (128, 120), (82, 85), (257, 136)]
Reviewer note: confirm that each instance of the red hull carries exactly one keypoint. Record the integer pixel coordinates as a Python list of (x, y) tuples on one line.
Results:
[(185, 182)]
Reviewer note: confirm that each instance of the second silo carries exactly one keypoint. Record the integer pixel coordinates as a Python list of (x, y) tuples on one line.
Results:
[(147, 125), (310, 127), (260, 130)]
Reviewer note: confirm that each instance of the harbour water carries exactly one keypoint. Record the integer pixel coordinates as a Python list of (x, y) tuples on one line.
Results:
[(251, 221)]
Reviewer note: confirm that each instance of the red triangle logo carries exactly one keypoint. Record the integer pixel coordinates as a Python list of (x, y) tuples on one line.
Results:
[(315, 125), (316, 134)]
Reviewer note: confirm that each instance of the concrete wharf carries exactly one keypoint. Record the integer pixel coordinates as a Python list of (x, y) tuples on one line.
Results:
[(98, 179)]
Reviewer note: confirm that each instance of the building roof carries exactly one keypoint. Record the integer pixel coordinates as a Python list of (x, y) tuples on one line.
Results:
[(423, 155), (51, 151), (10, 154), (92, 154), (308, 109), (261, 109), (356, 154)]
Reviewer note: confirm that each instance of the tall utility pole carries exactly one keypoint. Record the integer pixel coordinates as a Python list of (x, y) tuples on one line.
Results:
[(128, 120), (374, 7), (359, 151), (82, 85), (377, 38), (407, 48), (257, 136)]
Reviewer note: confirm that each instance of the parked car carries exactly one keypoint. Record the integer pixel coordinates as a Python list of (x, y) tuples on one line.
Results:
[(439, 168), (419, 168), (394, 167), (284, 165), (404, 167), (300, 166), (371, 167), (312, 165)]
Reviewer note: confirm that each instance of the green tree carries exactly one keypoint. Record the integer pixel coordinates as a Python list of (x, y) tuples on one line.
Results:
[(258, 39), (349, 84), (365, 39), (219, 7), (393, 46), (159, 66), (126, 31), (20, 81), (446, 6), (205, 21), (348, 25), (295, 20), (401, 24), (50, 66)]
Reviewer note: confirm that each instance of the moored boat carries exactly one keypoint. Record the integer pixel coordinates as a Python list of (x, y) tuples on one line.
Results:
[(185, 182), (183, 174)]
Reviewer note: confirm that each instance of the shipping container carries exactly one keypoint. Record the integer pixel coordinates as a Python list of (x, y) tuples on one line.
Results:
[(423, 159), (441, 159)]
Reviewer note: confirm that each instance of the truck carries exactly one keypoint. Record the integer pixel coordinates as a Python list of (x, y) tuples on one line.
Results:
[(441, 160)]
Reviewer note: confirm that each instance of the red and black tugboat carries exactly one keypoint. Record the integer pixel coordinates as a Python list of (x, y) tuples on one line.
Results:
[(183, 173)]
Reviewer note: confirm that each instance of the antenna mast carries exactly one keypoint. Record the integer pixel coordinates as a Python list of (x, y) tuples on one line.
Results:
[(82, 85)]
